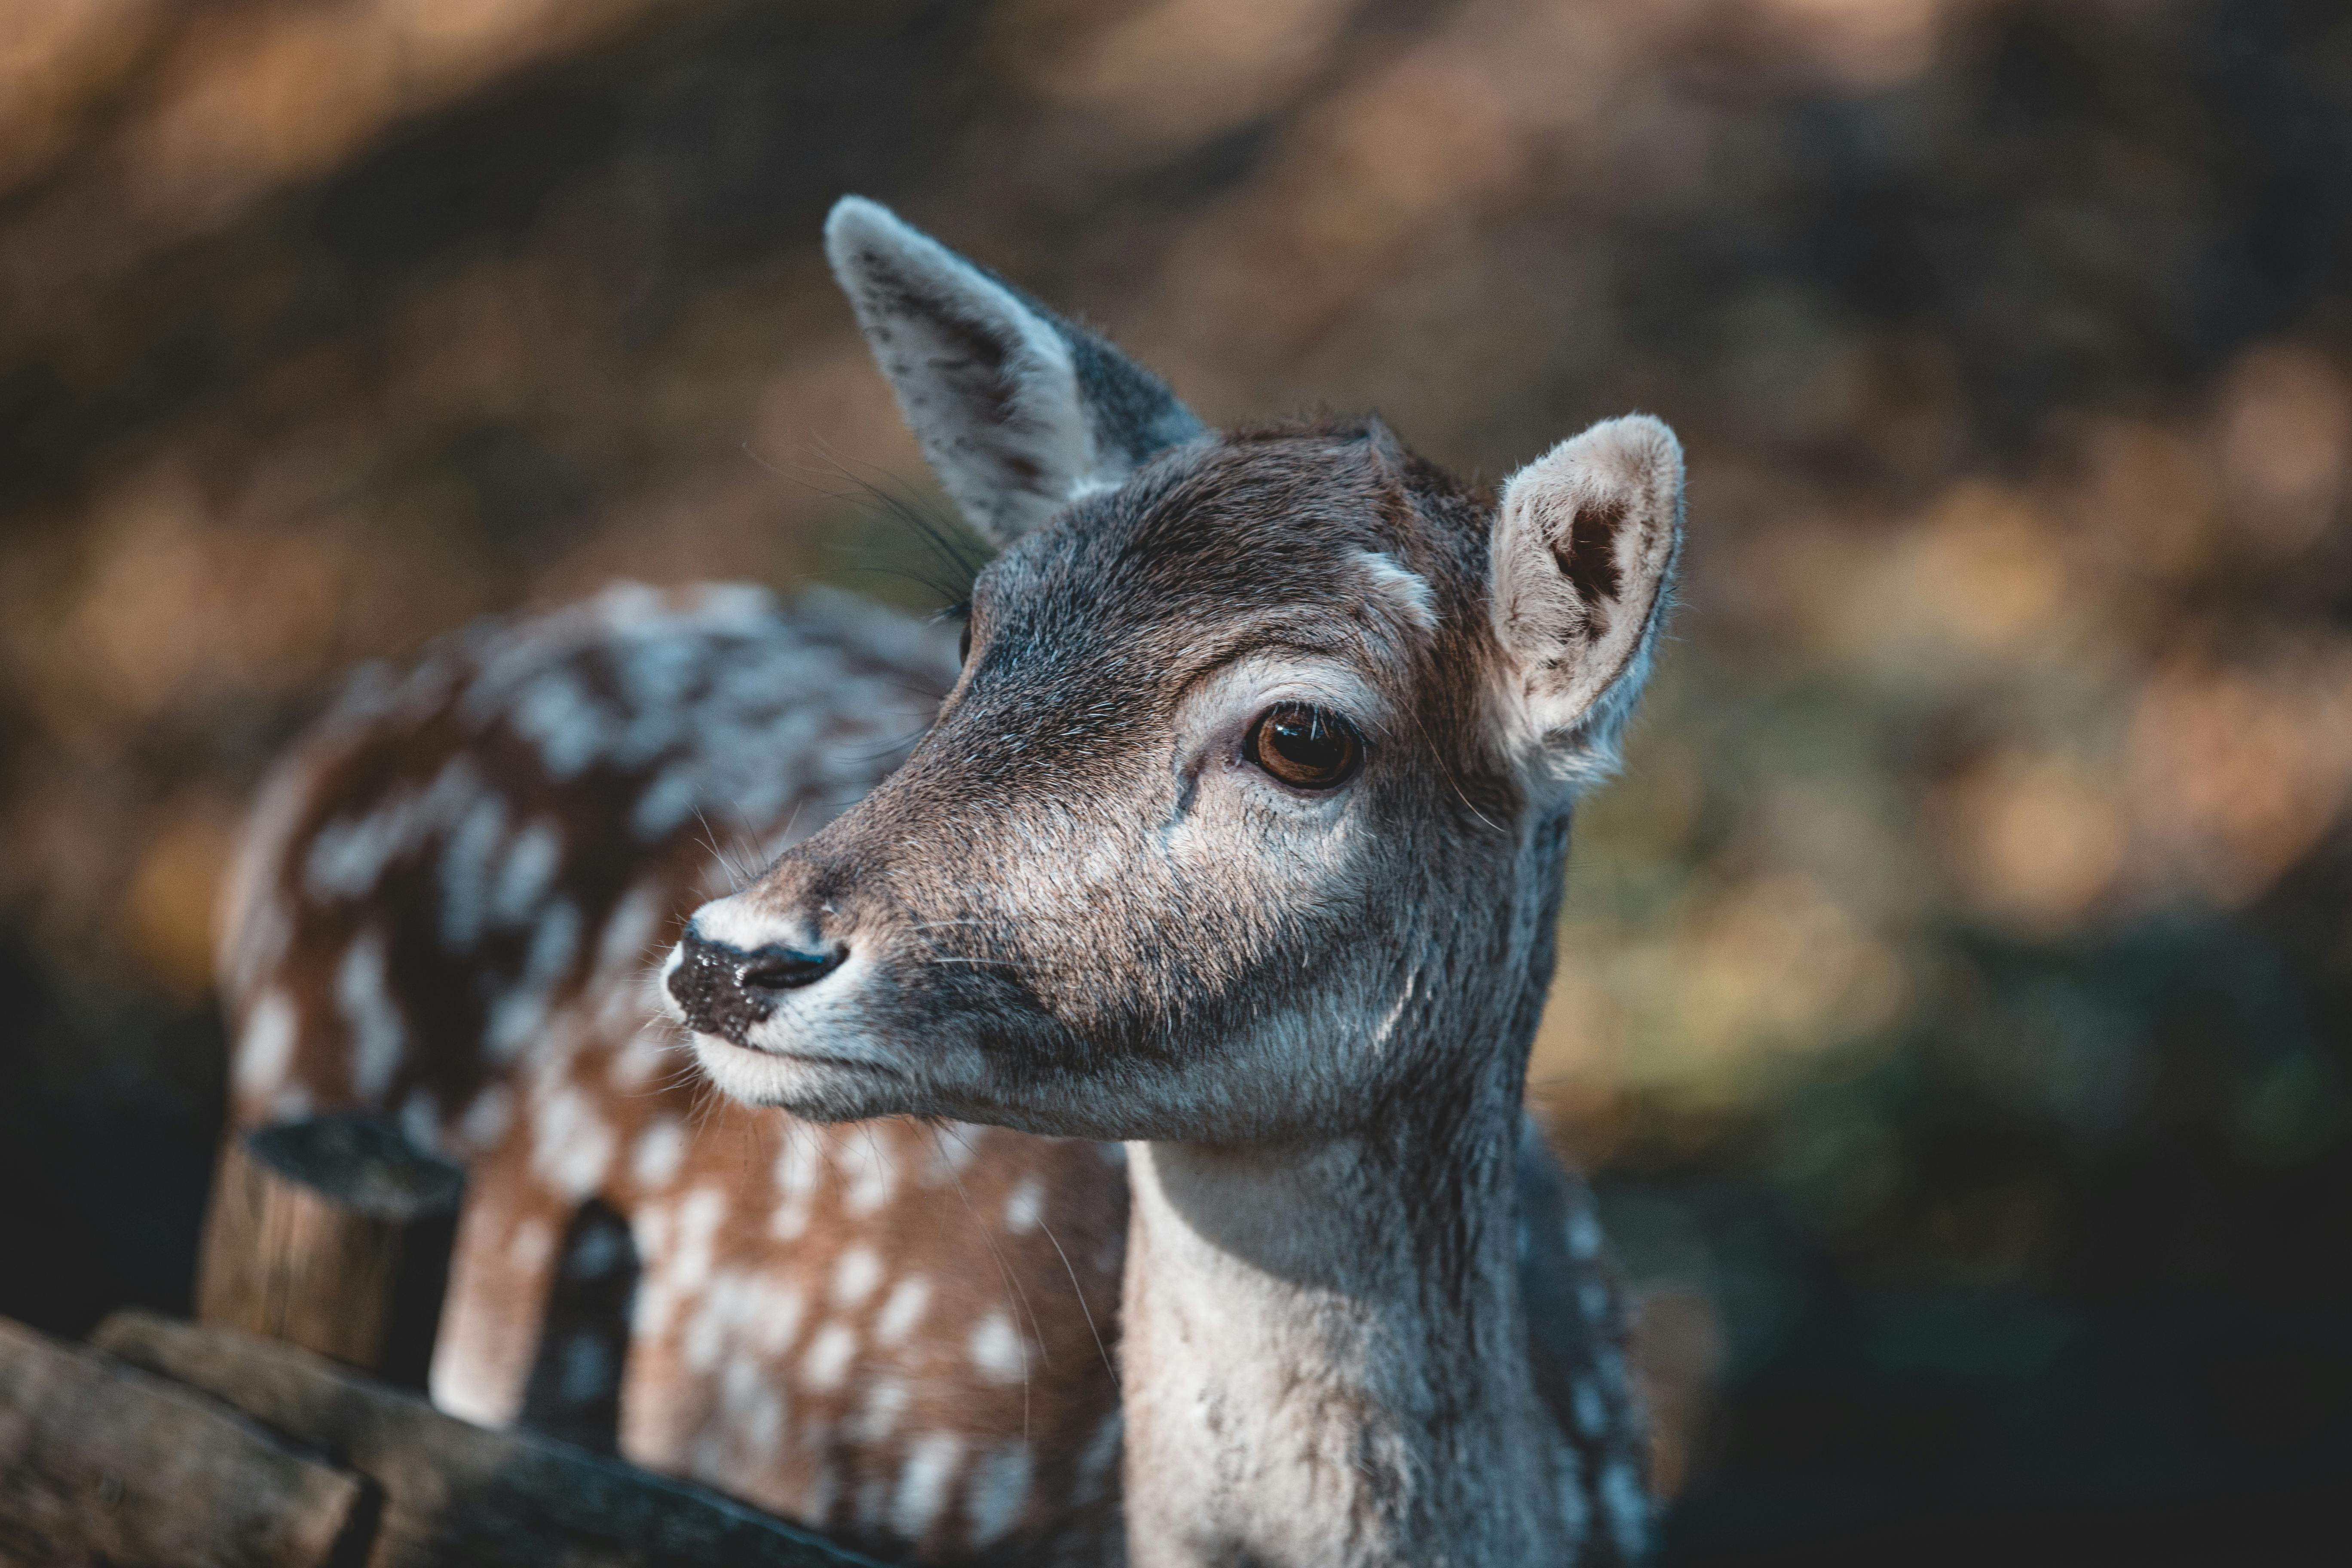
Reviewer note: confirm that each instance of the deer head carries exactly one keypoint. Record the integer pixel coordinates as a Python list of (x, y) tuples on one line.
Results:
[(1245, 815)]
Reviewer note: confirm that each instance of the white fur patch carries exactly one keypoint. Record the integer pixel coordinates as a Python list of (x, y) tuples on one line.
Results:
[(364, 996), (954, 1146), (1583, 1236), (420, 1119), (829, 1356), (1628, 1509), (517, 1018), (777, 1306), (878, 1414), (735, 921), (902, 1309), (855, 1275), (923, 1483), (997, 1351), (661, 1148), (486, 1121), (532, 1245), (800, 1168), (531, 861), (1406, 591), (874, 1176), (1025, 1208), (1000, 1491), (571, 1146), (264, 1046)]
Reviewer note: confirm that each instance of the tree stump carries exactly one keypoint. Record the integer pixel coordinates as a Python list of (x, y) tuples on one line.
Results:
[(332, 1233)]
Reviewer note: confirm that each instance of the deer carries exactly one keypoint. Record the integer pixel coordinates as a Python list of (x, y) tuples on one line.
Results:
[(1096, 1133)]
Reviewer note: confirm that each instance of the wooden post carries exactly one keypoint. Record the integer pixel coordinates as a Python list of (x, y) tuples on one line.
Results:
[(460, 1496), (334, 1235), (102, 1462)]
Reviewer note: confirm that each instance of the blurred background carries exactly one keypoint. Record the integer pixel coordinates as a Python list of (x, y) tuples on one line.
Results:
[(1952, 992)]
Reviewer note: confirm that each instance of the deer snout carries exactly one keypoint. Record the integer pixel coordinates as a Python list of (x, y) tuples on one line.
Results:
[(725, 990)]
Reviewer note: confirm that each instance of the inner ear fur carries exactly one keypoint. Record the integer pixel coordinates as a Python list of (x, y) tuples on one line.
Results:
[(1583, 559), (1017, 411)]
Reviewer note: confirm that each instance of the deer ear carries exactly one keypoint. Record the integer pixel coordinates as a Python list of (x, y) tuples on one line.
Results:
[(1017, 410), (1583, 562)]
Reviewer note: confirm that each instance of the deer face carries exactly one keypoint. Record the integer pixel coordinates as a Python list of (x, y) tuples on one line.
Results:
[(1258, 766)]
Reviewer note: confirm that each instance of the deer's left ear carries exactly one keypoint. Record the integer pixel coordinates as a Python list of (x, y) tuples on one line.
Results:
[(1583, 563)]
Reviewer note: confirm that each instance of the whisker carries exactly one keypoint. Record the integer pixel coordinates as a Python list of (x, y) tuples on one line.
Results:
[(1080, 1292), (1003, 1272)]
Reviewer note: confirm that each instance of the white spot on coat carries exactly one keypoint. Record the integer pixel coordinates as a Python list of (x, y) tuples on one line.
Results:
[(420, 1120), (629, 931), (997, 1349), (571, 1146), (1628, 1509), (466, 872), (661, 1147), (1591, 1410), (877, 1417), (776, 1306), (799, 1169), (364, 999), (1000, 1490), (486, 1120), (1583, 1236), (517, 1018), (829, 1356), (954, 1146), (529, 870), (763, 1427), (902, 1310), (1025, 1207), (265, 1048), (923, 1484), (876, 1176), (533, 1244), (855, 1275)]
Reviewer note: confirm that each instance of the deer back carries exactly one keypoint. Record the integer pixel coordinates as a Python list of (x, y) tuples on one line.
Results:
[(446, 909)]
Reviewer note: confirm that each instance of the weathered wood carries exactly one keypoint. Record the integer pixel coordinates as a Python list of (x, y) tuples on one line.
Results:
[(456, 1494), (101, 1462), (334, 1235)]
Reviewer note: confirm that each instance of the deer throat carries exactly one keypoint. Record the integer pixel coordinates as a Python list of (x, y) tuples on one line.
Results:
[(1325, 1355)]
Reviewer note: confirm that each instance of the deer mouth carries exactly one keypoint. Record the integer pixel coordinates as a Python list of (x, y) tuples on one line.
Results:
[(819, 1085), (709, 1044)]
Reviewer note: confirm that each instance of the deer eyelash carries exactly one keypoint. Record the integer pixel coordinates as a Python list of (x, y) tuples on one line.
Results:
[(959, 611)]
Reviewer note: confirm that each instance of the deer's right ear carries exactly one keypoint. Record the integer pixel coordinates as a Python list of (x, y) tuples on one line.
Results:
[(1017, 410), (1583, 561)]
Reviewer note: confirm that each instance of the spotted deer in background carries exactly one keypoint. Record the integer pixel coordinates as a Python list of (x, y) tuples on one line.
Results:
[(1121, 1152)]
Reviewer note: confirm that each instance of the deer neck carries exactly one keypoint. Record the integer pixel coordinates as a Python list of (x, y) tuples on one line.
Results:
[(1325, 1348)]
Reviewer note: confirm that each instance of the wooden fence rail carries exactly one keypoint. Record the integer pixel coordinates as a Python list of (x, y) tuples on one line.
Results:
[(272, 1435)]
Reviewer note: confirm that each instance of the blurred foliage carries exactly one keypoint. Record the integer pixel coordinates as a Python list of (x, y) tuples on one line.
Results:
[(1951, 990)]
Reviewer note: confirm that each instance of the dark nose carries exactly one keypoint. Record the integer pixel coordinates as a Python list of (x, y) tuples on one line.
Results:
[(725, 990)]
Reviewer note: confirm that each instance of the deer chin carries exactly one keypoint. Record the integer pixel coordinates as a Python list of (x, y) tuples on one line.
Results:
[(819, 1086)]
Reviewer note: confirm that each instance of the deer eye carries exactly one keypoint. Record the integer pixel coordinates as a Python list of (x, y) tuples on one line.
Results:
[(1303, 746), (961, 611)]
